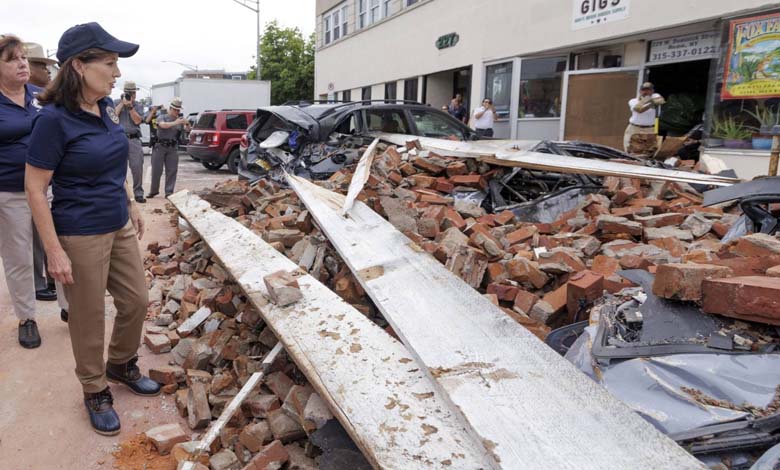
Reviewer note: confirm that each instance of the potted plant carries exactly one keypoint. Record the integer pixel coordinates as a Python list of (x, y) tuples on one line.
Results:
[(767, 118), (734, 134)]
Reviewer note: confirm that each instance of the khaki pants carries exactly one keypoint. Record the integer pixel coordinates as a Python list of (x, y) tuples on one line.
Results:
[(640, 141), (108, 261), (16, 249)]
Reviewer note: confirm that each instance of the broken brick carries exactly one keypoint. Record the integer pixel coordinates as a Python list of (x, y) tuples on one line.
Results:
[(684, 281), (165, 437), (583, 288), (751, 298), (283, 288)]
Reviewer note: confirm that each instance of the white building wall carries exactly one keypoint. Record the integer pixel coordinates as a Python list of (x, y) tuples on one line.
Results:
[(404, 45)]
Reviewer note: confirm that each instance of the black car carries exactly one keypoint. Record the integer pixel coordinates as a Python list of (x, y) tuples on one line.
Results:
[(316, 139)]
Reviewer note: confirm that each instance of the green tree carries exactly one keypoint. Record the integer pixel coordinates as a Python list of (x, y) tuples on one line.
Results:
[(287, 61)]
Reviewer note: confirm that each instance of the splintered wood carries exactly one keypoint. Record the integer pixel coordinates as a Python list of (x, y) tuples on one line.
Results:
[(369, 380), (528, 406)]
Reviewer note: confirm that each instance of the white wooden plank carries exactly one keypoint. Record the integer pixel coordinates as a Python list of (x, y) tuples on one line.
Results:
[(369, 380), (360, 176), (519, 154), (216, 427), (529, 406)]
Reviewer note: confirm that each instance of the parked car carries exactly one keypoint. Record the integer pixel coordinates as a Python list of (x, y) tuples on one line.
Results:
[(316, 139), (215, 137)]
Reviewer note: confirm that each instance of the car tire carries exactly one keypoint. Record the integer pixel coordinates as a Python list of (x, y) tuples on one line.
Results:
[(212, 166), (232, 161)]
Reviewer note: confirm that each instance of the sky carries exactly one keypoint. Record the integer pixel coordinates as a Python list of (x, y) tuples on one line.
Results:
[(209, 34)]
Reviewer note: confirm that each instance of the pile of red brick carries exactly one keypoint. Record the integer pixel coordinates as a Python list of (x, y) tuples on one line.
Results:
[(543, 275), (217, 340)]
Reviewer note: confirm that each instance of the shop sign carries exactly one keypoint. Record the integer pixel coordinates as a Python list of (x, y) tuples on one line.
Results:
[(587, 13), (448, 40), (752, 64), (689, 47)]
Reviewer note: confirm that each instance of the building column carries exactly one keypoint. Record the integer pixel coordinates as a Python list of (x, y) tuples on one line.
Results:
[(514, 100)]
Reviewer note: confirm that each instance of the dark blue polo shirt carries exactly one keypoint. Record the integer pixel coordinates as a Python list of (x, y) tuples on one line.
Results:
[(15, 128), (88, 155)]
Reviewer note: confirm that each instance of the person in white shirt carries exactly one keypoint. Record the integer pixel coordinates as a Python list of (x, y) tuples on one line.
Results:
[(483, 118), (640, 138)]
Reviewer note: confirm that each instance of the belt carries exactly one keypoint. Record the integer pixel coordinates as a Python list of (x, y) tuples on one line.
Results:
[(167, 142), (133, 135), (643, 127)]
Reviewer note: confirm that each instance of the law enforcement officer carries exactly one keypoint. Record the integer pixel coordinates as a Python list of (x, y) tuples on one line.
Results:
[(640, 136), (165, 152), (40, 76), (130, 118), (90, 233)]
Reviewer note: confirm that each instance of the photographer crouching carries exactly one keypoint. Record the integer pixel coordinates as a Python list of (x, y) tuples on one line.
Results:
[(130, 117)]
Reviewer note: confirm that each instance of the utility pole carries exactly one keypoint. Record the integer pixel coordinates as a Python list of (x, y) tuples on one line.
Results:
[(191, 67), (254, 5)]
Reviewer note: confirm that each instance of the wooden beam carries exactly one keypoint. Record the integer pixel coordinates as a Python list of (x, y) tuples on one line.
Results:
[(370, 381), (513, 153), (529, 406)]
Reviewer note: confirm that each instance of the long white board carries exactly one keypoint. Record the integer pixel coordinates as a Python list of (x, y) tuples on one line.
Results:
[(518, 153), (371, 383), (529, 406)]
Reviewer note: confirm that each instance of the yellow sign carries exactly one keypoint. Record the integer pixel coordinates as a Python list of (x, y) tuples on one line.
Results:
[(752, 67)]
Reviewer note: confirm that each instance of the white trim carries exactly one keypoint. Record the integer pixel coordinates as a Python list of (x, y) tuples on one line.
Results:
[(565, 91)]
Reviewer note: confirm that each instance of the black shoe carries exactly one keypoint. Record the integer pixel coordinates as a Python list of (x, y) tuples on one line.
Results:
[(151, 195), (46, 294), (130, 375), (140, 199), (28, 334), (64, 315), (102, 416)]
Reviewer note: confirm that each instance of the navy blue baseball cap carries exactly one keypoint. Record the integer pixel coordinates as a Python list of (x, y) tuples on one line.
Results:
[(81, 37)]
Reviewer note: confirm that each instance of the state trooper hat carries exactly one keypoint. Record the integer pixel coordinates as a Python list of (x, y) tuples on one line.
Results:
[(81, 37), (647, 86)]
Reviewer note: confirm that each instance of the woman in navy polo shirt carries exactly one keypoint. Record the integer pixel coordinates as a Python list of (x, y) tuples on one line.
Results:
[(17, 109), (89, 234)]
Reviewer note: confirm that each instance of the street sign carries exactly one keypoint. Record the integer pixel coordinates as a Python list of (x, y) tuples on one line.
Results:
[(588, 13), (682, 48)]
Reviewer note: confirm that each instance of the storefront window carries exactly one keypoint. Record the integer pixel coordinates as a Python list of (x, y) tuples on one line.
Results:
[(498, 87), (540, 87), (745, 101)]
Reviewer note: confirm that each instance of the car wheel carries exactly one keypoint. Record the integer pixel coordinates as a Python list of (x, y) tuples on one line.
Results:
[(232, 161), (212, 166)]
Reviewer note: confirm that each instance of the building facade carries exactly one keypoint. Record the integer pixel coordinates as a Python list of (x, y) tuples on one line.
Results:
[(555, 69)]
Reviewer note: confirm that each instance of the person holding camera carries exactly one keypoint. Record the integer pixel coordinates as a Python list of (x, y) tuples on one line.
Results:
[(130, 114), (166, 150), (484, 117)]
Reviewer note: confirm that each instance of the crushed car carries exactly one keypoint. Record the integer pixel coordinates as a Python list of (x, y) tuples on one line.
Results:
[(315, 140)]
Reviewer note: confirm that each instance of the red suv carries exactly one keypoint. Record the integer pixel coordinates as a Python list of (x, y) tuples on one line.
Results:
[(216, 135)]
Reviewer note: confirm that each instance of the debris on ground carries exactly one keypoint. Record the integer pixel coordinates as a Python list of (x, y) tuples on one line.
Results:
[(543, 247), (139, 453)]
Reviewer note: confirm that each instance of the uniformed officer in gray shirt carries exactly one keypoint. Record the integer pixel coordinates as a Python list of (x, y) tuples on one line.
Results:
[(130, 118), (165, 153)]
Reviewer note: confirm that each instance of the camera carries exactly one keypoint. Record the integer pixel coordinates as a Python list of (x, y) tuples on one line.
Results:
[(128, 96)]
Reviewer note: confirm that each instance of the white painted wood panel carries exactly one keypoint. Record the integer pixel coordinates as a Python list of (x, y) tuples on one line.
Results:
[(530, 407), (370, 381)]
